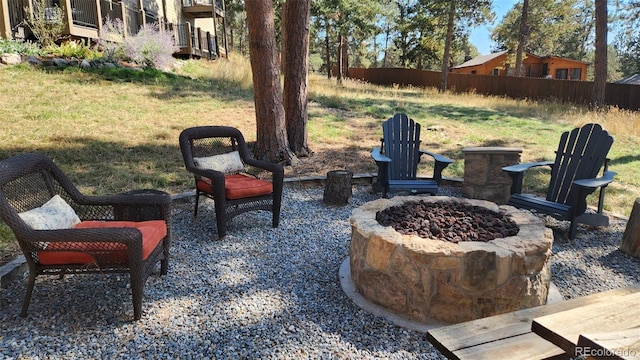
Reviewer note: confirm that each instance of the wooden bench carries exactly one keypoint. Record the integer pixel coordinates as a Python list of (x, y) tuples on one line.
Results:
[(508, 336), (604, 320)]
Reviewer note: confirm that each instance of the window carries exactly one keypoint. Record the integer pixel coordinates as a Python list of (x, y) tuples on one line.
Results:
[(576, 74), (562, 74), (474, 72), (496, 71)]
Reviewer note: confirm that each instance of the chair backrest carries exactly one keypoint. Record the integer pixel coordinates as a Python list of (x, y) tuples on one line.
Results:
[(581, 153), (209, 143), (203, 141), (401, 143), (28, 181)]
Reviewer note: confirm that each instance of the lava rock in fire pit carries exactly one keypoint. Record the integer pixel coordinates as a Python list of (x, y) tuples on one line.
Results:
[(449, 221)]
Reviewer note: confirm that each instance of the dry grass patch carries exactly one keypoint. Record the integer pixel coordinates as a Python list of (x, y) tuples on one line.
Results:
[(116, 130)]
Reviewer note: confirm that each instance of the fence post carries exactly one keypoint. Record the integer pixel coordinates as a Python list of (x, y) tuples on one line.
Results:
[(99, 16), (175, 30), (68, 16), (189, 42), (209, 45), (199, 32), (123, 17), (143, 18), (5, 21)]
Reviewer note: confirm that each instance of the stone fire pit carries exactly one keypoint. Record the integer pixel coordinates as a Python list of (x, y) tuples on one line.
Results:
[(452, 282)]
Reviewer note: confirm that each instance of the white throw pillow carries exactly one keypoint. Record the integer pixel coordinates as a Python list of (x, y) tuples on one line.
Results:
[(226, 163), (53, 215)]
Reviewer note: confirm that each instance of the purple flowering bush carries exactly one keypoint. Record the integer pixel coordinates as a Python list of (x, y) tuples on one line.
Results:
[(151, 46)]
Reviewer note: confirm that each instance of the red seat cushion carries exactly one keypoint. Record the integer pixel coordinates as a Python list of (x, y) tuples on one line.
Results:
[(153, 232), (238, 186)]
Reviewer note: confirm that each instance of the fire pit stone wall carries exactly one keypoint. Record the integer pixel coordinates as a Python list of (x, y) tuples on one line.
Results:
[(433, 279)]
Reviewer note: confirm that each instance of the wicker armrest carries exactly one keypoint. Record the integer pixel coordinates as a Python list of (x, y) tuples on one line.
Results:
[(274, 168), (126, 200), (126, 207)]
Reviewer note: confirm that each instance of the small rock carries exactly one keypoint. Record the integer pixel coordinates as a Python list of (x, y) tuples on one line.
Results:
[(10, 59), (60, 62), (33, 60)]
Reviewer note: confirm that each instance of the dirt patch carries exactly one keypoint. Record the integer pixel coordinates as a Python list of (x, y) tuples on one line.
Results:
[(356, 160)]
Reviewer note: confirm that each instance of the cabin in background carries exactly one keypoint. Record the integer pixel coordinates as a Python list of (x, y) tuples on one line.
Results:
[(498, 64)]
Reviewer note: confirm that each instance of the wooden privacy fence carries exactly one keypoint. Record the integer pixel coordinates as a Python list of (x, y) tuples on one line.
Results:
[(624, 96)]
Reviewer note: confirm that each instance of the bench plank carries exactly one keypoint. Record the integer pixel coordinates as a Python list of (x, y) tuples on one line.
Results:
[(617, 312), (522, 347), (623, 344), (477, 334)]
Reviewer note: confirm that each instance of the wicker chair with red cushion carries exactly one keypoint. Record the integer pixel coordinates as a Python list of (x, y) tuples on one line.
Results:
[(62, 231), (224, 171)]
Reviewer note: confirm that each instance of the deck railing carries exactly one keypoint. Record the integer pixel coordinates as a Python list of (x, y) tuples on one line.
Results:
[(110, 9), (132, 21), (181, 34), (218, 3), (150, 17), (84, 13), (16, 13), (193, 42)]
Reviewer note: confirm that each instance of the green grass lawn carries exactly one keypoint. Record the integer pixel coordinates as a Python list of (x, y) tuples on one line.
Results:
[(115, 130)]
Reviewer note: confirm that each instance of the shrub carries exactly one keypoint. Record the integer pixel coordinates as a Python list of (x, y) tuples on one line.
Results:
[(151, 47), (110, 40), (73, 49), (45, 23), (19, 47)]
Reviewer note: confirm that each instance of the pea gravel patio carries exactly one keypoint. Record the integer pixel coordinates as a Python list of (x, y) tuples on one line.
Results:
[(260, 293)]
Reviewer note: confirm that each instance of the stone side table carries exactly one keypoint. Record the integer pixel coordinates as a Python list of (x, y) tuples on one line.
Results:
[(483, 175)]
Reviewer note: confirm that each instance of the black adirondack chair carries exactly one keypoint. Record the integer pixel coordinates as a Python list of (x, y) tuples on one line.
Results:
[(398, 157), (581, 154)]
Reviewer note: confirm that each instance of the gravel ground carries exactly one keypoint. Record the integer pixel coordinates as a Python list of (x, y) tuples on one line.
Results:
[(259, 293)]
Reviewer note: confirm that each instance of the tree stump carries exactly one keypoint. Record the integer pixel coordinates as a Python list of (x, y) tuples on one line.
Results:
[(337, 187), (631, 238)]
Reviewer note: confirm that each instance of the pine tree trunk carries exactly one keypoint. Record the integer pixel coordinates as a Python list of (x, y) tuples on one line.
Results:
[(339, 60), (447, 46), (296, 57), (522, 40), (600, 66), (386, 46), (327, 47), (271, 136), (345, 56), (283, 41)]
